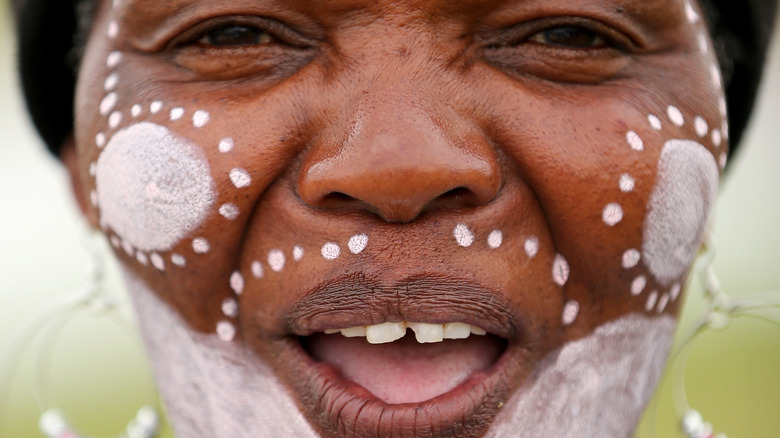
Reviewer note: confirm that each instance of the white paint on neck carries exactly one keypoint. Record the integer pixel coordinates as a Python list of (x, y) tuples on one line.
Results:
[(679, 209), (595, 387), (153, 187), (212, 388)]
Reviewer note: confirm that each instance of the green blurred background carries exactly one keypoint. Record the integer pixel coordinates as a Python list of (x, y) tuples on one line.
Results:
[(99, 373)]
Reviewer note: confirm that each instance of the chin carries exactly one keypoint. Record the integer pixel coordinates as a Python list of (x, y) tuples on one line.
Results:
[(595, 386)]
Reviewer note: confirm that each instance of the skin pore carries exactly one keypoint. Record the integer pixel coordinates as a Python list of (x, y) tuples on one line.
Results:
[(538, 174)]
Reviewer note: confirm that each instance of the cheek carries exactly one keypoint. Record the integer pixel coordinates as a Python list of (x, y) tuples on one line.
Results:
[(152, 187)]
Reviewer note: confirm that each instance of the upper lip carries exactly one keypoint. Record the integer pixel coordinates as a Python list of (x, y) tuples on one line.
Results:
[(356, 300)]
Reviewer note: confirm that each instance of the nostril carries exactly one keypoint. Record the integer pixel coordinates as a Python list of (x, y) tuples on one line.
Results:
[(336, 197)]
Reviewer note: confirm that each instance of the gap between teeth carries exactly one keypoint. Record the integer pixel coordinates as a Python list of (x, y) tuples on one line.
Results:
[(423, 332)]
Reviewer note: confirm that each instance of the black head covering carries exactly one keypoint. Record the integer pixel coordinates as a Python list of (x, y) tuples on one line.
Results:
[(46, 32)]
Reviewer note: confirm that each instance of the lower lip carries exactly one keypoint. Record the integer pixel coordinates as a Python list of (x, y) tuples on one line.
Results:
[(339, 407)]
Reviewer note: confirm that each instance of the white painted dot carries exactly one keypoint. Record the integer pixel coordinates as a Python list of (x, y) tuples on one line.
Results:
[(717, 139), (701, 126), (230, 307), (93, 198), (177, 113), (627, 183), (114, 119), (655, 122), (128, 248), (229, 211), (675, 292), (635, 141), (111, 81), (570, 312), (691, 13), (178, 260), (136, 110), (612, 214), (531, 246), (276, 260), (240, 177), (357, 243), (113, 29), (114, 58), (330, 251), (495, 239), (716, 78), (92, 169), (115, 242), (142, 258), (200, 118), (237, 282), (297, 253), (155, 107), (651, 300), (675, 115), (226, 145), (663, 302), (725, 129), (724, 158), (560, 270), (226, 331), (631, 258), (108, 103), (200, 245), (463, 235), (257, 269), (703, 44), (638, 285), (157, 261), (100, 140)]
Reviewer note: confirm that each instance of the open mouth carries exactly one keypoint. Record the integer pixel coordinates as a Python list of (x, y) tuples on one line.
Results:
[(402, 364)]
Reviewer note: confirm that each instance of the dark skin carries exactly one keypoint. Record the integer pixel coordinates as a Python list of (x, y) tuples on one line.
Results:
[(401, 119)]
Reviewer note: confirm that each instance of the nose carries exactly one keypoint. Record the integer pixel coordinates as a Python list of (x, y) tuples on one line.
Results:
[(398, 160)]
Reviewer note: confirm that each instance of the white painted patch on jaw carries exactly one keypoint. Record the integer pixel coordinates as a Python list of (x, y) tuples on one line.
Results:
[(717, 139), (655, 122), (230, 307), (128, 248), (212, 388), (701, 126), (693, 16), (276, 260), (111, 81), (113, 59), (679, 208), (716, 78), (157, 261), (463, 235), (635, 141), (141, 257), (298, 252), (100, 140), (240, 178), (675, 115), (330, 251), (531, 246), (627, 183), (675, 292), (177, 113), (570, 312), (357, 243), (724, 158), (178, 260), (155, 107), (200, 245), (651, 300), (226, 145), (638, 285), (237, 282), (136, 110), (200, 118), (226, 331), (495, 239), (114, 119), (631, 258), (257, 269), (108, 103), (560, 270), (612, 214), (154, 187), (703, 44), (619, 365), (663, 302), (229, 211)]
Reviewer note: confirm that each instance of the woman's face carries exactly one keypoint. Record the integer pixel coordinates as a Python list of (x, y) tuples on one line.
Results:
[(270, 172)]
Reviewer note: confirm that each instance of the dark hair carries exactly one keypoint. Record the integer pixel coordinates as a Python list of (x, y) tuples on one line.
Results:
[(52, 35)]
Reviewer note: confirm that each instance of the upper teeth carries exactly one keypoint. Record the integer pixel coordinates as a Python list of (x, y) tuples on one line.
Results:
[(423, 332)]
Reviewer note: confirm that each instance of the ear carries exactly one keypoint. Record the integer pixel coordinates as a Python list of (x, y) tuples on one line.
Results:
[(69, 158)]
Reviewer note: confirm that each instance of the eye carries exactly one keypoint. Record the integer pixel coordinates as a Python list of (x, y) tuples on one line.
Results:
[(234, 35), (574, 37)]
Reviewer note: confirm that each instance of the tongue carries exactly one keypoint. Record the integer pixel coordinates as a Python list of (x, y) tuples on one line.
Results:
[(405, 371)]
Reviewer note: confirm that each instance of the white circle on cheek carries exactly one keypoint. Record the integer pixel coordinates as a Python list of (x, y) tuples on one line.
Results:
[(178, 260), (701, 126), (560, 270), (627, 183), (495, 239), (330, 251), (679, 208), (463, 235), (276, 260), (655, 122), (638, 285), (200, 118), (631, 258), (229, 211), (157, 261), (635, 141), (298, 253), (675, 115), (570, 312), (612, 214), (230, 307), (226, 145), (201, 246), (357, 243), (154, 188), (111, 82), (240, 178), (237, 283), (531, 246), (257, 269), (226, 331)]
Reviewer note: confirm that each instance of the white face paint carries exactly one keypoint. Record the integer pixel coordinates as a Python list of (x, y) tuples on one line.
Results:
[(212, 388), (153, 187), (618, 365), (679, 208)]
